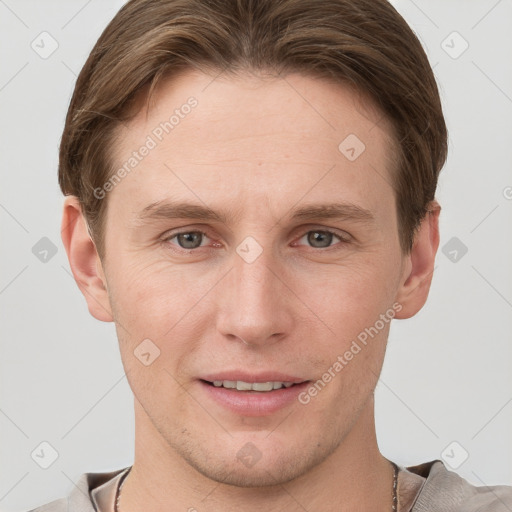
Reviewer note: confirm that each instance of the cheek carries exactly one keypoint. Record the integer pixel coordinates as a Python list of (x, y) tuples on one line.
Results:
[(351, 334), (349, 297), (148, 304), (147, 293), (163, 304)]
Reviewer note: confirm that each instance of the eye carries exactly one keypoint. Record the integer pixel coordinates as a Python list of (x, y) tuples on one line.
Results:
[(187, 239), (322, 238)]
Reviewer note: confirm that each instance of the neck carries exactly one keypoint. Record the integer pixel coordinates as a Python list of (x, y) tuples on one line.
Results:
[(355, 476)]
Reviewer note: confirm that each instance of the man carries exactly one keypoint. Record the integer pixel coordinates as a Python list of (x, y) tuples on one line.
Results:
[(250, 198)]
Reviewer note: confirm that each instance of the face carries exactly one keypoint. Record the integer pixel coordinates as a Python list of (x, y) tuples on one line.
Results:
[(246, 244)]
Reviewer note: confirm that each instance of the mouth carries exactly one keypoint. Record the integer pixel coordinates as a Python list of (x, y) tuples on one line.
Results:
[(248, 398)]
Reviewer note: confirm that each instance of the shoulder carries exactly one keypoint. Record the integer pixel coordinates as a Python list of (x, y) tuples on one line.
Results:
[(54, 506), (81, 496), (446, 490)]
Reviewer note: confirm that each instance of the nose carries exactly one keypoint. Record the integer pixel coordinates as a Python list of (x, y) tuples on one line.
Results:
[(255, 305)]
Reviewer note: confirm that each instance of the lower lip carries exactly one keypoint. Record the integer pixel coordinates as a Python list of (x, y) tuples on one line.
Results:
[(254, 403)]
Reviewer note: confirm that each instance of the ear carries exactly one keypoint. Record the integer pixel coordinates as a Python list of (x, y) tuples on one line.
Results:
[(84, 260), (419, 265)]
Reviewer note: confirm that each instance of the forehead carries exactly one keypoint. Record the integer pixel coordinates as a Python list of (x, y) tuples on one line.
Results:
[(300, 104), (262, 135)]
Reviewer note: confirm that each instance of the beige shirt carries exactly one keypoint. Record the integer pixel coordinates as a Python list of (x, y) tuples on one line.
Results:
[(428, 487)]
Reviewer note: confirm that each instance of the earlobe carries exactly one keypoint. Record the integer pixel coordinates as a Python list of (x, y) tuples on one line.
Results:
[(419, 267), (84, 260)]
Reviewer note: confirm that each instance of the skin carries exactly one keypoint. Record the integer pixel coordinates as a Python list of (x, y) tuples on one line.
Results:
[(255, 147)]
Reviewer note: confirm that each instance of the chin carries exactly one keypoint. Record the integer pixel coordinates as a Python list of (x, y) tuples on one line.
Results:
[(236, 474), (251, 462)]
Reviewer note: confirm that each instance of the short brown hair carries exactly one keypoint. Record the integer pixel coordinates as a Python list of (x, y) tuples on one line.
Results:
[(363, 43)]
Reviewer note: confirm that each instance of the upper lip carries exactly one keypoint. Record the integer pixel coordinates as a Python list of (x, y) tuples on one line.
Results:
[(268, 376)]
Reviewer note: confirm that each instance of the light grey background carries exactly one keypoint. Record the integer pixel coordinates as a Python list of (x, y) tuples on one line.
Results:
[(447, 375)]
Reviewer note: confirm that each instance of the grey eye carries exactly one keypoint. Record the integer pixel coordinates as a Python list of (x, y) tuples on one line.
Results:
[(320, 238), (189, 240)]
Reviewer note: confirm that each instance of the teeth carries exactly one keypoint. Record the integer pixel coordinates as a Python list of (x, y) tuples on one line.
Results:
[(240, 385), (262, 386)]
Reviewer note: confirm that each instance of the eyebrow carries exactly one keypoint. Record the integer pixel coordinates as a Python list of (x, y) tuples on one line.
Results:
[(182, 210)]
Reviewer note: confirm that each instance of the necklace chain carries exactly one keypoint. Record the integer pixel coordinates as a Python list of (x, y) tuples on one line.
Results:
[(393, 506)]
